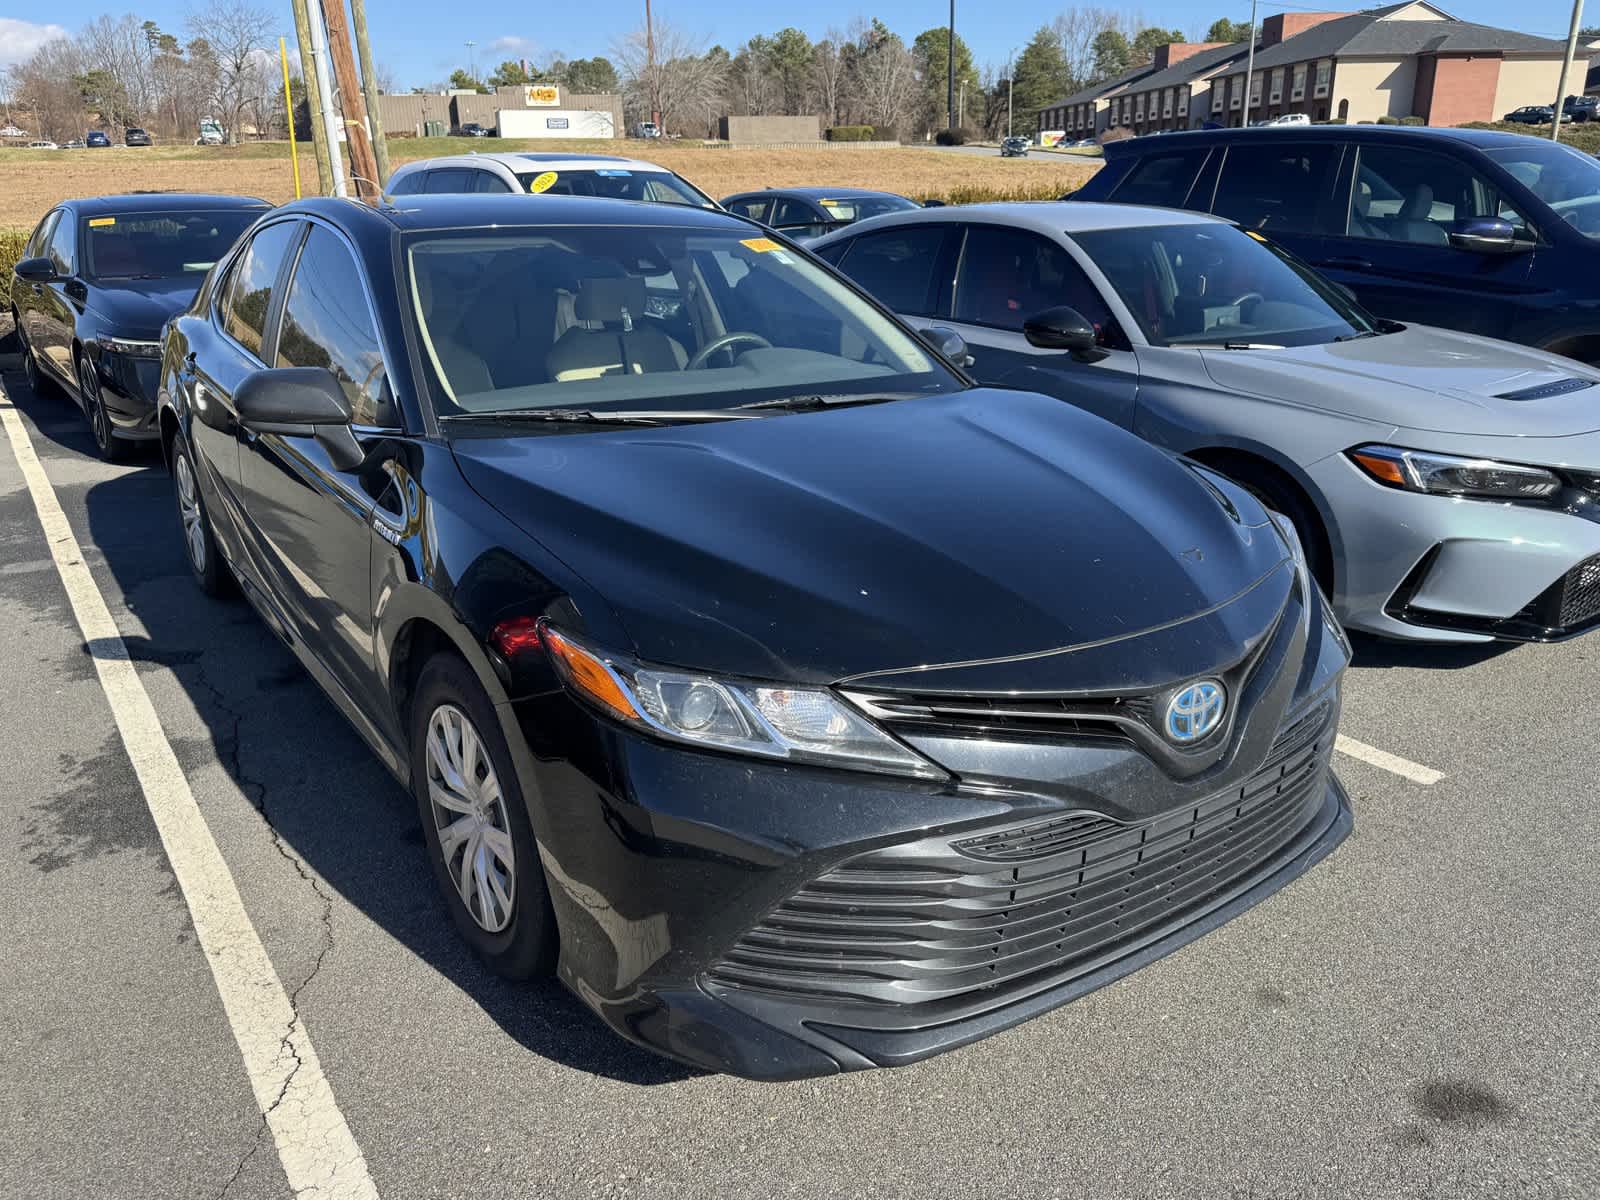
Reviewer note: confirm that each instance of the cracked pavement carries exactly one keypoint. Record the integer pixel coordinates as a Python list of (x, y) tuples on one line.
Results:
[(1414, 1018)]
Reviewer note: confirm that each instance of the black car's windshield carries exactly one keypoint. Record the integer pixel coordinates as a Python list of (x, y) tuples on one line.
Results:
[(1214, 284), (858, 208), (646, 318), (160, 245), (616, 183), (1566, 179)]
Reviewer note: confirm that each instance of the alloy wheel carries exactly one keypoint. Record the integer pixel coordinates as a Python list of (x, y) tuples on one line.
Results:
[(469, 814), (99, 423), (194, 529)]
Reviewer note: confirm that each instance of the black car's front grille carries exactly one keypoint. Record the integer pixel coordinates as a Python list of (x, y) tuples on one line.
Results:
[(985, 716), (982, 918), (1580, 594)]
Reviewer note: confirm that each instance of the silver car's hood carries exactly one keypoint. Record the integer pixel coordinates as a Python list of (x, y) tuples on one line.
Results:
[(1426, 379)]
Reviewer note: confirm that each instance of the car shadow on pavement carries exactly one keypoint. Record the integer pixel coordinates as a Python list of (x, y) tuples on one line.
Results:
[(325, 797), (1369, 651)]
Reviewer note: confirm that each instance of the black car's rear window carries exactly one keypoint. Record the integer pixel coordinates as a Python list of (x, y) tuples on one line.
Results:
[(160, 245)]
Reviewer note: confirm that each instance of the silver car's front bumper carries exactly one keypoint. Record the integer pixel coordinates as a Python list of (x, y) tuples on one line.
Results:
[(1440, 569)]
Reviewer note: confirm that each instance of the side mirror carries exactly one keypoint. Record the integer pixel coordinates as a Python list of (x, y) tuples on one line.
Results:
[(36, 270), (300, 402), (950, 344), (1486, 235), (1063, 329)]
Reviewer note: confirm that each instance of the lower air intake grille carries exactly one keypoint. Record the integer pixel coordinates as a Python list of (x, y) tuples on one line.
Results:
[(924, 923), (1580, 594)]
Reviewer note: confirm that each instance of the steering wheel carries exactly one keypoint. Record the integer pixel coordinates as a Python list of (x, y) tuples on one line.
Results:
[(1245, 298), (703, 355)]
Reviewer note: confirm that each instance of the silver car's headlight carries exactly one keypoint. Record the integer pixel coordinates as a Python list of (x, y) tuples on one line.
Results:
[(770, 720), (1452, 475)]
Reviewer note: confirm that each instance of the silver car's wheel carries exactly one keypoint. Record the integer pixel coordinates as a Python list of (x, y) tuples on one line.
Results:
[(469, 813), (189, 511)]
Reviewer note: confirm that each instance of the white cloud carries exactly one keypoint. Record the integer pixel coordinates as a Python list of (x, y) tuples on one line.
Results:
[(19, 39), (520, 47)]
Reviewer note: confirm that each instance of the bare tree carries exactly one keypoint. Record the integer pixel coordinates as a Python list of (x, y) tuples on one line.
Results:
[(681, 84), (830, 76), (44, 85), (886, 74), (237, 34)]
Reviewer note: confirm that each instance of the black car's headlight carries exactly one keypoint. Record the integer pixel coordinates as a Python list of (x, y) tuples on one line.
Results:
[(1452, 475), (770, 720), (129, 347)]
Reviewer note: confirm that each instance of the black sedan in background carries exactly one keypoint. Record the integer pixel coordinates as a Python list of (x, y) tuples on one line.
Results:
[(803, 213), (135, 136), (806, 706), (96, 282)]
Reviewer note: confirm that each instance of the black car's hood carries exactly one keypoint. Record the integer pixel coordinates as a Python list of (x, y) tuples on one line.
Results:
[(825, 545), (138, 308)]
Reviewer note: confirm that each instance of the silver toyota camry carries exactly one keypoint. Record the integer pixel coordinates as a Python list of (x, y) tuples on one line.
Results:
[(1446, 486)]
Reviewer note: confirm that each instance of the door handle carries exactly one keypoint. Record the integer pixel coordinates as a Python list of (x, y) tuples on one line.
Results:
[(1349, 263)]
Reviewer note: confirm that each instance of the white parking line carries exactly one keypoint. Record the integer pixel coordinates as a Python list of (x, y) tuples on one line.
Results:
[(315, 1145), (1385, 761)]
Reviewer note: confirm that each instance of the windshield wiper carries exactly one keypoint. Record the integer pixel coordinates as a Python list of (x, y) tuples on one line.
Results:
[(805, 403), (1356, 337), (1236, 345), (589, 416)]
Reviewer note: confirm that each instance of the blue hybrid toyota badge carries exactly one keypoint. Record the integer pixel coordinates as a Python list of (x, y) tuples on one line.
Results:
[(1195, 711)]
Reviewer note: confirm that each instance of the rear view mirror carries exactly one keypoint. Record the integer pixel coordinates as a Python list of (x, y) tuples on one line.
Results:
[(300, 402), (950, 344), (36, 270), (1486, 235), (1063, 329)]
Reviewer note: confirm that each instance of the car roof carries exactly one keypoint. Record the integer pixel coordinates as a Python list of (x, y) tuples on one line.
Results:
[(469, 210), (1480, 138), (821, 193), (548, 161), (134, 202), (1042, 216)]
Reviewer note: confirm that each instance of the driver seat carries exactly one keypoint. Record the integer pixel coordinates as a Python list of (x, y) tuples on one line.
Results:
[(612, 338)]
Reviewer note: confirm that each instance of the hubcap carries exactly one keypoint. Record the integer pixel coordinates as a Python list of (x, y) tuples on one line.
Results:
[(194, 530), (469, 815)]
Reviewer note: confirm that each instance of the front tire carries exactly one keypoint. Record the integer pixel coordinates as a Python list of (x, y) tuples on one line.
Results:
[(199, 545), (480, 841), (110, 447)]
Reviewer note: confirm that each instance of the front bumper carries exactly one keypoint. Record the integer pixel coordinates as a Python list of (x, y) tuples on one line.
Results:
[(128, 388), (1433, 568)]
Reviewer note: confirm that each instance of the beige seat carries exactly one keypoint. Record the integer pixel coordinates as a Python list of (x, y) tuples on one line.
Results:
[(612, 337)]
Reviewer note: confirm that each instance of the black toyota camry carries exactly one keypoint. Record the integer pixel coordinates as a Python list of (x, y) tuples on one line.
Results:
[(803, 706), (97, 280)]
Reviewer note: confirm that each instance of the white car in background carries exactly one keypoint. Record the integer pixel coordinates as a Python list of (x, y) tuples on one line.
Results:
[(603, 175)]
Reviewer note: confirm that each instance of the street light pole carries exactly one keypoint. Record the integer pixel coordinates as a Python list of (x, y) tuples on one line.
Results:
[(1249, 67), (472, 68), (1011, 85), (1566, 65)]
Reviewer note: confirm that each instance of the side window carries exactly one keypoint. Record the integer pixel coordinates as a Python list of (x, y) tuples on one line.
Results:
[(756, 210), (450, 181), (41, 236), (327, 323), (407, 185), (794, 212), (1407, 195), (249, 296), (1276, 187), (63, 251), (1009, 275), (488, 181), (897, 266), (834, 252), (1162, 179)]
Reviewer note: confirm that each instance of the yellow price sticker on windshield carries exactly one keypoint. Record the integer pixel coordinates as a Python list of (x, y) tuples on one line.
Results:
[(97, 222), (1258, 237), (829, 203), (543, 183), (759, 245)]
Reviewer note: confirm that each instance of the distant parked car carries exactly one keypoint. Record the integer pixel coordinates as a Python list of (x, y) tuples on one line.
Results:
[(43, 145), (1290, 119), (471, 129), (135, 137), (1531, 114), (603, 175), (74, 144), (647, 129), (810, 212), (1014, 147), (1581, 108), (1441, 484), (96, 282), (1472, 229), (96, 139)]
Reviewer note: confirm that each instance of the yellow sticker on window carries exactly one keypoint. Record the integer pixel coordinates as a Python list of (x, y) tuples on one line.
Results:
[(97, 222), (829, 203), (543, 183), (1258, 237), (760, 245)]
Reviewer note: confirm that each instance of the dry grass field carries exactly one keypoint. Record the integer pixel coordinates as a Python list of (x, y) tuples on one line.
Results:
[(31, 181)]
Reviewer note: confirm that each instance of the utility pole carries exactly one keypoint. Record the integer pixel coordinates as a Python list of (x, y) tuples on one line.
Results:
[(328, 115), (650, 68), (308, 73), (1011, 84), (950, 70), (1566, 65), (363, 164), (1249, 67), (369, 90), (961, 106)]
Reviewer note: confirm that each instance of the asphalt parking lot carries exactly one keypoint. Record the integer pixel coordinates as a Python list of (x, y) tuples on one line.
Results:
[(1416, 1017)]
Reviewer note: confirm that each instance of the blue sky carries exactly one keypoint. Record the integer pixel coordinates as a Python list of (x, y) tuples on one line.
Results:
[(408, 37)]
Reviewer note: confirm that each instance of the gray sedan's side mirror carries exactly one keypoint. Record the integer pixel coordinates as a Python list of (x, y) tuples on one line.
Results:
[(1066, 329), (300, 402), (36, 270), (1486, 235), (950, 344)]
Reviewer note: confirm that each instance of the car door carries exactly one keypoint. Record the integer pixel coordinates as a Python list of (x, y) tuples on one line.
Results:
[(222, 350), (1282, 188), (60, 301), (28, 297), (909, 267), (310, 520), (1392, 247), (1005, 277)]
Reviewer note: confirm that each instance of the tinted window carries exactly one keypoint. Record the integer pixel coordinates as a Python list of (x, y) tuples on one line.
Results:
[(794, 212), (1564, 178), (756, 210), (488, 181), (1407, 195), (1160, 179), (326, 323), (407, 185), (244, 310), (1009, 275), (161, 245), (1275, 187), (450, 180), (832, 254), (41, 235), (897, 266), (61, 251), (615, 183)]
